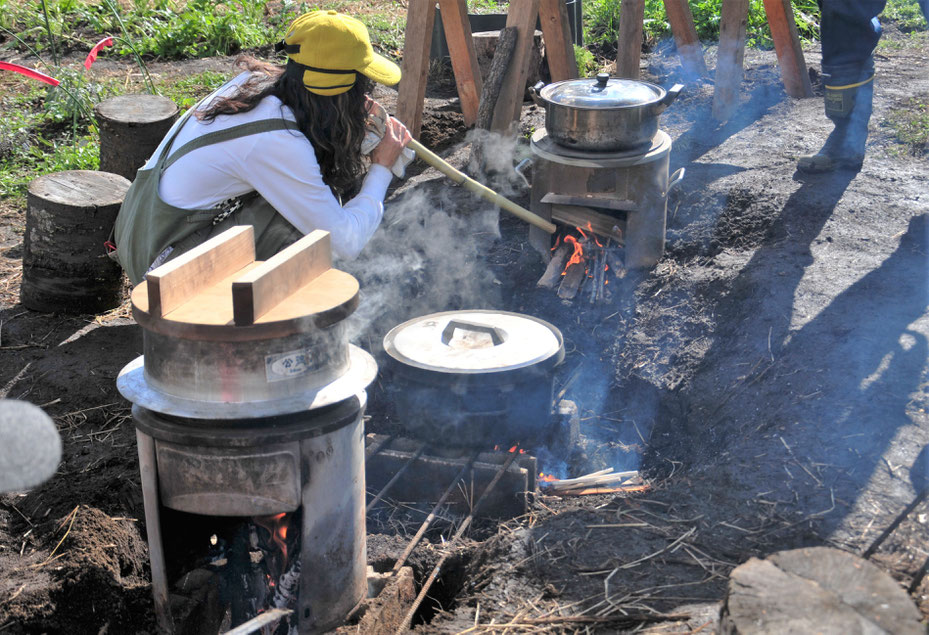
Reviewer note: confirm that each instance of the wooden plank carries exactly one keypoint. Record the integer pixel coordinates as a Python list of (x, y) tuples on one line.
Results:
[(787, 45), (522, 15), (688, 46), (556, 32), (729, 56), (629, 47), (420, 16), (464, 59), (264, 287), (175, 282)]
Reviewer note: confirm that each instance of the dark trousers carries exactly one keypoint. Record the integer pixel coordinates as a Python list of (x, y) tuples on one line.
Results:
[(849, 31)]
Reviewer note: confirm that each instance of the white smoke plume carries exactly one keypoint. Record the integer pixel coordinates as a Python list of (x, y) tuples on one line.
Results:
[(429, 255)]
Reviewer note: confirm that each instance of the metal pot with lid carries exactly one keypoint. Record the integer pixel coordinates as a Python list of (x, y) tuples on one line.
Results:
[(474, 378), (603, 114)]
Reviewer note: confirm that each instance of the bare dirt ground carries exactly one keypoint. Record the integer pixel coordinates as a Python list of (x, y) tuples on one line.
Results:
[(770, 375)]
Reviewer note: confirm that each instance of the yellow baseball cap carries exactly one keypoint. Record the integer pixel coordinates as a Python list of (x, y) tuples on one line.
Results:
[(330, 48)]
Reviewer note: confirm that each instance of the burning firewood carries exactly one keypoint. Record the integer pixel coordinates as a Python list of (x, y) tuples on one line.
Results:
[(601, 482)]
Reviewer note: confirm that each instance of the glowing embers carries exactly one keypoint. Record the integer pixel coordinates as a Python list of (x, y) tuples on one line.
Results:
[(583, 262)]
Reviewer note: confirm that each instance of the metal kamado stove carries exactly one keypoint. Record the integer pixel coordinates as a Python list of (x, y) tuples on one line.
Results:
[(602, 163), (623, 195), (248, 401)]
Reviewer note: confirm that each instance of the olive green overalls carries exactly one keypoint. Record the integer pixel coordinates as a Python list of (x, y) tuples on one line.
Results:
[(146, 225)]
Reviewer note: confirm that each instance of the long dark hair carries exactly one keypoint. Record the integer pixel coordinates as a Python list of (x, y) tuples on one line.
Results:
[(334, 125)]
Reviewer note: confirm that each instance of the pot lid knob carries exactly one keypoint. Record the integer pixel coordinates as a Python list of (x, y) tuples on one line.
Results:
[(602, 79)]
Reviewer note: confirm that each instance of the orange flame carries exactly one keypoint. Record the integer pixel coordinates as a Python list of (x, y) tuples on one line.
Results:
[(591, 230), (547, 477), (277, 527), (578, 254)]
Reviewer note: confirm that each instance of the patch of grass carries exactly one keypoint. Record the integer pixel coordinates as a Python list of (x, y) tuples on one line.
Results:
[(601, 22), (906, 14), (189, 90), (910, 125)]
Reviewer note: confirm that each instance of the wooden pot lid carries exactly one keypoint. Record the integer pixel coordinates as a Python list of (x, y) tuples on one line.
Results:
[(218, 291)]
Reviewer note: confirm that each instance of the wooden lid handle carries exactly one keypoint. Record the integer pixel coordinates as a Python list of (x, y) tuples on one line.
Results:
[(175, 282), (261, 289)]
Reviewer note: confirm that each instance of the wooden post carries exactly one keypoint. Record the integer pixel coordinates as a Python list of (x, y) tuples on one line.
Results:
[(69, 216), (729, 58), (148, 468), (522, 15), (787, 44), (464, 61), (131, 127), (629, 47), (681, 20), (556, 31), (417, 40)]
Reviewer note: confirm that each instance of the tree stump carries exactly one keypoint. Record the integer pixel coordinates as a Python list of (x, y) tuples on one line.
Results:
[(485, 46), (816, 590), (69, 217), (131, 127)]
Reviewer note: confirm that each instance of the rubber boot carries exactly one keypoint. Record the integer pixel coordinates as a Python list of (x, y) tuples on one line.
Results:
[(849, 99)]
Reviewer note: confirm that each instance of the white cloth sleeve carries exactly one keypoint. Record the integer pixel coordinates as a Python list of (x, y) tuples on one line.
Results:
[(283, 169)]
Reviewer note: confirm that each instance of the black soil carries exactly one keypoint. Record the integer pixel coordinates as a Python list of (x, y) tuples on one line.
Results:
[(769, 376)]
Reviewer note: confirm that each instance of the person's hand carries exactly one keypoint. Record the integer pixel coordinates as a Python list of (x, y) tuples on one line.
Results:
[(395, 138)]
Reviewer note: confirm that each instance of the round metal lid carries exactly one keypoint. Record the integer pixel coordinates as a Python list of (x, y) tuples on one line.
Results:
[(132, 385), (603, 92), (472, 342)]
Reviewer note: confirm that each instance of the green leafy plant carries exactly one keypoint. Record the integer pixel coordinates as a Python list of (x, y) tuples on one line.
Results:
[(586, 62)]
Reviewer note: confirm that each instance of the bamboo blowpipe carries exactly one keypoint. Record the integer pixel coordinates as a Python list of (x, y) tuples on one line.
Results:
[(483, 191)]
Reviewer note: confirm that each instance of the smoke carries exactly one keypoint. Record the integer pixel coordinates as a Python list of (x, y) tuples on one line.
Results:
[(428, 255)]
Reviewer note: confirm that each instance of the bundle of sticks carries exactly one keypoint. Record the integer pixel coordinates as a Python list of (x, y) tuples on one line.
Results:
[(601, 482)]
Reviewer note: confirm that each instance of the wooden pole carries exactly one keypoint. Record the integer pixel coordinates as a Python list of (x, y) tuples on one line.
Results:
[(417, 40), (464, 61), (149, 472), (681, 20), (787, 45), (731, 50), (629, 47), (559, 47), (523, 16)]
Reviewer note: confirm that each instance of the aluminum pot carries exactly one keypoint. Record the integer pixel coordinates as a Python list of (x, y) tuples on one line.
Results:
[(604, 114), (474, 378)]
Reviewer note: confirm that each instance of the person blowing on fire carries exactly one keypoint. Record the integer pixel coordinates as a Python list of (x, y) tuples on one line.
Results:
[(849, 32), (277, 148)]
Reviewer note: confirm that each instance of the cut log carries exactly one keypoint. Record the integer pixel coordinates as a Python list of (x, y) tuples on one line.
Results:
[(523, 16), (503, 51), (816, 590), (131, 127), (555, 266), (69, 217), (572, 280)]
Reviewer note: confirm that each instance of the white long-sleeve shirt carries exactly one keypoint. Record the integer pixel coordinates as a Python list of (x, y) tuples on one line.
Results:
[(281, 166)]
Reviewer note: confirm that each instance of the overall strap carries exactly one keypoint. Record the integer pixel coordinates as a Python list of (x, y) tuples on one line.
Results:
[(235, 132)]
